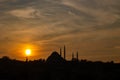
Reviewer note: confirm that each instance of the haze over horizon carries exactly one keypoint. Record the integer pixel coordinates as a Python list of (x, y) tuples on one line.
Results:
[(90, 27)]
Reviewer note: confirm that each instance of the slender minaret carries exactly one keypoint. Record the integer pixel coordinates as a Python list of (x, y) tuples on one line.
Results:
[(60, 52), (64, 52), (77, 56)]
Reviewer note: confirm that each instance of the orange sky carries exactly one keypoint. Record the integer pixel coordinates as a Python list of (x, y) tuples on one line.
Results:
[(90, 27)]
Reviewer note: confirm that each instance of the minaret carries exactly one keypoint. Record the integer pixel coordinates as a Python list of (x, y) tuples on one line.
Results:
[(60, 52), (77, 56), (64, 52)]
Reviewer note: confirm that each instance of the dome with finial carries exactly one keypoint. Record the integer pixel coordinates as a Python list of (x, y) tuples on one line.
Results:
[(55, 58)]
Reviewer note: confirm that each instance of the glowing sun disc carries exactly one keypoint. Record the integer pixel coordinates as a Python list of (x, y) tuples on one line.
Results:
[(28, 52)]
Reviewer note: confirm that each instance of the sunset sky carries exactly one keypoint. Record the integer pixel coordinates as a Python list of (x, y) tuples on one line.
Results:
[(91, 27)]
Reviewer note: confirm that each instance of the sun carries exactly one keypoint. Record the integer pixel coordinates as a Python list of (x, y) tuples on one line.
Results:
[(28, 52)]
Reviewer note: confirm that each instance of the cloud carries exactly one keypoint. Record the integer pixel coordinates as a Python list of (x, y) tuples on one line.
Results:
[(24, 13), (101, 10), (84, 24)]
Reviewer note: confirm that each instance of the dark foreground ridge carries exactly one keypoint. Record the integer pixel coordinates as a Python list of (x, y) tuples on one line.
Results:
[(57, 68)]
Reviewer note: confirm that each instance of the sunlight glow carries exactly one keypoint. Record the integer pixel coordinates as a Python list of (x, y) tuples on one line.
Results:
[(28, 52)]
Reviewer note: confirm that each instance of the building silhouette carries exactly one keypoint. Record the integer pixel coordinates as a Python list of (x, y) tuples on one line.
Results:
[(55, 58), (75, 58), (64, 52), (60, 52)]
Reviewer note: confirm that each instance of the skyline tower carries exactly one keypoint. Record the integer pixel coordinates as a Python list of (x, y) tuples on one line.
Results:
[(64, 52)]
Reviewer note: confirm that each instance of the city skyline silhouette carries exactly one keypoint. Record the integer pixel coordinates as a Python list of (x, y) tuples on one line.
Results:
[(59, 39), (57, 67)]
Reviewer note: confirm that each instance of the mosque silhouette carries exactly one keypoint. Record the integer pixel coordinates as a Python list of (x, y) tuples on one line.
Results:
[(57, 58)]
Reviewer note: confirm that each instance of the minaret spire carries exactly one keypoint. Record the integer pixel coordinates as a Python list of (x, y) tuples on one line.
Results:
[(64, 52)]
